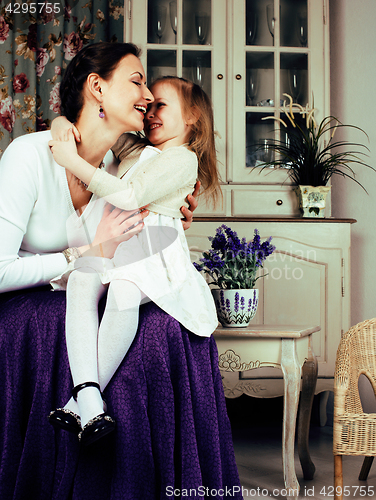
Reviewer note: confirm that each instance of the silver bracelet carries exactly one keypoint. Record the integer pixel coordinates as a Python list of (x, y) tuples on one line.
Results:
[(71, 254)]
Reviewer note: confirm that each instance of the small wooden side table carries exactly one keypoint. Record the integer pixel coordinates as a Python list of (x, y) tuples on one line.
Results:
[(289, 348)]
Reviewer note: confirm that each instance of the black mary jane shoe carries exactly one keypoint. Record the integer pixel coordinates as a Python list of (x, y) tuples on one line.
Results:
[(62, 418), (96, 428)]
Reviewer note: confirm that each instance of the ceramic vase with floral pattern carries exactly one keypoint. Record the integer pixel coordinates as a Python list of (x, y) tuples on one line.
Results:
[(236, 308), (312, 200)]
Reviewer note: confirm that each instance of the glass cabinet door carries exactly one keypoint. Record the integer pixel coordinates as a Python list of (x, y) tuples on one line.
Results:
[(178, 23), (186, 38), (278, 49), (245, 54)]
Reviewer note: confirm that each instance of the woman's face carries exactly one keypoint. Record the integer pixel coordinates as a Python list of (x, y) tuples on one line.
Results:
[(126, 96)]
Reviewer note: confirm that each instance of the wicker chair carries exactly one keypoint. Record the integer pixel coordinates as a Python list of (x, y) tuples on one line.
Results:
[(354, 432)]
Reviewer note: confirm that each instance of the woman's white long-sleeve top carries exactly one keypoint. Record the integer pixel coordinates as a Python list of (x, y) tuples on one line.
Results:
[(35, 204)]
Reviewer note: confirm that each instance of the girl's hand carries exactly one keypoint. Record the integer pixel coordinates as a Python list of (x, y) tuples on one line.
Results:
[(115, 227), (193, 203), (60, 127), (65, 152)]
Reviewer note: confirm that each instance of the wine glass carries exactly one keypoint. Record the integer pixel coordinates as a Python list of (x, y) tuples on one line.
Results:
[(302, 28), (265, 151), (294, 83), (270, 18), (251, 85), (159, 20), (154, 72), (251, 26), (198, 72), (174, 17), (201, 24)]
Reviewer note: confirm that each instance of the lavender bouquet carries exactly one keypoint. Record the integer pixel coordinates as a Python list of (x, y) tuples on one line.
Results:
[(233, 263)]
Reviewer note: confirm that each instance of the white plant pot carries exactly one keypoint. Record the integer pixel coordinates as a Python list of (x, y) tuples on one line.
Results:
[(312, 200), (236, 308)]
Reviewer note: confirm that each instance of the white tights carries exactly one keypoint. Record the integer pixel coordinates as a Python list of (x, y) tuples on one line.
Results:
[(96, 351)]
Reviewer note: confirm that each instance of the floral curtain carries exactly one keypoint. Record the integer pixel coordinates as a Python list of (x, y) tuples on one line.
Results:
[(37, 41)]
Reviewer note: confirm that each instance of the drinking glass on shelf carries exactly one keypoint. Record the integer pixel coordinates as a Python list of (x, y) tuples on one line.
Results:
[(251, 26), (201, 24), (159, 20), (174, 18), (251, 85), (265, 151), (154, 73), (302, 28), (270, 18), (198, 72), (294, 83)]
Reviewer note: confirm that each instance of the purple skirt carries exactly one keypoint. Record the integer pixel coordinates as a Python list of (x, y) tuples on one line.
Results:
[(173, 436)]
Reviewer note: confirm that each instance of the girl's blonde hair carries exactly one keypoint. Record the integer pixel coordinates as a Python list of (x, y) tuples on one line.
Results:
[(194, 101)]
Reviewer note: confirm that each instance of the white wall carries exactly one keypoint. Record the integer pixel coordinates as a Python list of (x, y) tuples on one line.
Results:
[(353, 101)]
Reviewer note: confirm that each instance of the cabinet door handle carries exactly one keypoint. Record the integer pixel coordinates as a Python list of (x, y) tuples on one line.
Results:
[(238, 77), (220, 76), (279, 202)]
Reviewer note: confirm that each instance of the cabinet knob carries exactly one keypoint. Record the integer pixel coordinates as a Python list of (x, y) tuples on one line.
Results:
[(279, 202), (238, 77), (220, 76)]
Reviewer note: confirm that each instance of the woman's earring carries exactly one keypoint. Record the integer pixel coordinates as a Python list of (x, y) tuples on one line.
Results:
[(101, 112)]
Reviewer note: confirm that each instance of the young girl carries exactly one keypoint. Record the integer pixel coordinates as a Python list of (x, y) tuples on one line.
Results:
[(155, 264)]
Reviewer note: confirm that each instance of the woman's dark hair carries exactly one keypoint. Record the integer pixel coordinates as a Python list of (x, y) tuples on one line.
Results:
[(101, 58)]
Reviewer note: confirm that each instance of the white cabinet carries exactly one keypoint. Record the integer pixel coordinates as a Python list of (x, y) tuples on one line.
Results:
[(308, 284), (246, 54), (264, 67), (197, 52)]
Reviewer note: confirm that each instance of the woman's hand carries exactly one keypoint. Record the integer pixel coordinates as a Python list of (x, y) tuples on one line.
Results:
[(115, 227), (60, 127), (193, 203), (65, 152)]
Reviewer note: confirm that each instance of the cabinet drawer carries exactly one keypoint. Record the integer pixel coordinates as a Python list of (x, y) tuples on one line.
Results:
[(223, 209), (268, 201)]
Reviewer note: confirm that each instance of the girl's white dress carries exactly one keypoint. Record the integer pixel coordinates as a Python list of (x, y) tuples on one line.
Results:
[(157, 260)]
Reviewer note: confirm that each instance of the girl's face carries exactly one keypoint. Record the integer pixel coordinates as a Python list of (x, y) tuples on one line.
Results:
[(125, 95), (164, 124)]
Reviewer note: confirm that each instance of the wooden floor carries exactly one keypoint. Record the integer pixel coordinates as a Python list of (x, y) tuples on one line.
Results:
[(257, 435)]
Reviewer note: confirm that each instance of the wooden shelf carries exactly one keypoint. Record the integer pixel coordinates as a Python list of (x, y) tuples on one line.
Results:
[(305, 220)]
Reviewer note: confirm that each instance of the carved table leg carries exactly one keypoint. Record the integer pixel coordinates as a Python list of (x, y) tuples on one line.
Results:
[(306, 401), (291, 375), (324, 396)]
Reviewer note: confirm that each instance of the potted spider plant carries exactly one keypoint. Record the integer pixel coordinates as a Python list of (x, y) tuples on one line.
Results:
[(311, 156)]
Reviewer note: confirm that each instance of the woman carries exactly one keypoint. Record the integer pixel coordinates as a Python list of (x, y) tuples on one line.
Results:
[(172, 429)]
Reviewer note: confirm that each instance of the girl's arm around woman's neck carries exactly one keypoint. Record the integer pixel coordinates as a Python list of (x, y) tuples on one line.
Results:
[(65, 154)]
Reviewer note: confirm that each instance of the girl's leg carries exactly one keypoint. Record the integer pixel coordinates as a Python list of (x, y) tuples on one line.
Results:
[(84, 291), (117, 329)]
